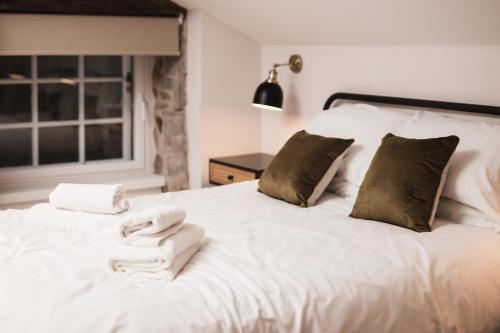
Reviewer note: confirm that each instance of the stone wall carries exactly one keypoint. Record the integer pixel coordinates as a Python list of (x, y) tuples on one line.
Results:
[(169, 126)]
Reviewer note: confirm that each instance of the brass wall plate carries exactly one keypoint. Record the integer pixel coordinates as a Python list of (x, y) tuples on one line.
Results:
[(295, 63)]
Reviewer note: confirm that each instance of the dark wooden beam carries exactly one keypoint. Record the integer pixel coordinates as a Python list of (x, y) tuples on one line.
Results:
[(163, 8)]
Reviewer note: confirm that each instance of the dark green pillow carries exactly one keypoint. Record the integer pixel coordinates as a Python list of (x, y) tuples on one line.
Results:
[(404, 181), (303, 168)]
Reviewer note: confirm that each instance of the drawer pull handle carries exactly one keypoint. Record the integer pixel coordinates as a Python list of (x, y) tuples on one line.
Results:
[(230, 177)]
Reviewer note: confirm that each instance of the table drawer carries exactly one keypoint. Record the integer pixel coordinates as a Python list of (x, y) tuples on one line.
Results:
[(222, 174)]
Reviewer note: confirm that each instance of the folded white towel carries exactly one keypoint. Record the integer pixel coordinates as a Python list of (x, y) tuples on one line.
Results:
[(159, 261), (152, 220), (153, 239), (96, 198), (188, 235), (153, 271)]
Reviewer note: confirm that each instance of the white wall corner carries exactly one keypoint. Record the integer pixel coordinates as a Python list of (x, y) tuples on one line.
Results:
[(223, 72), (194, 97)]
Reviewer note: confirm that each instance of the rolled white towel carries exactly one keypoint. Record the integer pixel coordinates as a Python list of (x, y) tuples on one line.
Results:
[(96, 198), (150, 271), (152, 259), (153, 239), (152, 220)]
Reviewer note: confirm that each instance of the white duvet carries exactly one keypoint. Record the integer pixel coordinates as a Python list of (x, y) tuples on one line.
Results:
[(265, 266)]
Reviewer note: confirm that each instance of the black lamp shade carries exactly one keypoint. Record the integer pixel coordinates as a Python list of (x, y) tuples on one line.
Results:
[(268, 96)]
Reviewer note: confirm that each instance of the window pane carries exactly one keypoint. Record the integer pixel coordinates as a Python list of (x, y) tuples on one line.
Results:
[(15, 147), (103, 100), (103, 142), (57, 101), (57, 66), (103, 66), (13, 67), (58, 144), (15, 103)]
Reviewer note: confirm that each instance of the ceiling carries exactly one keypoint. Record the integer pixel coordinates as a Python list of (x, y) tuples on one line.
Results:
[(358, 22)]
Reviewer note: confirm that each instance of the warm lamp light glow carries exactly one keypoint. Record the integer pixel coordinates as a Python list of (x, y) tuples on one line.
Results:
[(266, 107)]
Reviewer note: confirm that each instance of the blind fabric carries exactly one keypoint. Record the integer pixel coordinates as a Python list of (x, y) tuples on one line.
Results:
[(27, 34)]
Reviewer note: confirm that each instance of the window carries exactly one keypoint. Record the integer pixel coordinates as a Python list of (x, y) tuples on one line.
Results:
[(65, 111)]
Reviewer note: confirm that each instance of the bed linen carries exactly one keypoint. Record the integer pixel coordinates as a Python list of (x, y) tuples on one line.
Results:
[(264, 266)]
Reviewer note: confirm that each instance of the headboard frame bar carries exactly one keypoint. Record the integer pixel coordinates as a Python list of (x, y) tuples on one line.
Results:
[(475, 108)]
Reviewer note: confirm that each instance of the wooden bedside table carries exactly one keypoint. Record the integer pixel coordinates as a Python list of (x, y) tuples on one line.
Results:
[(233, 169)]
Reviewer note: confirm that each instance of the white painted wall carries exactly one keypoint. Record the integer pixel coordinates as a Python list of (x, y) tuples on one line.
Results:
[(468, 74), (193, 95), (223, 71)]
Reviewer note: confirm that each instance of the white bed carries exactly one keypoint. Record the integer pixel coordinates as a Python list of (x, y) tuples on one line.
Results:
[(265, 266)]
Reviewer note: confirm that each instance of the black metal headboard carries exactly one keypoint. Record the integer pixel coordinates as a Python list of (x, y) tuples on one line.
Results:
[(475, 108)]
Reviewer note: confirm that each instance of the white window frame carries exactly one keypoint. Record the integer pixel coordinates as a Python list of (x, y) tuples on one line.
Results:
[(138, 123)]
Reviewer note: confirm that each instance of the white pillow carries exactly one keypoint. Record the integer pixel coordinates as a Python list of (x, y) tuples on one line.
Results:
[(367, 124), (459, 213), (474, 175)]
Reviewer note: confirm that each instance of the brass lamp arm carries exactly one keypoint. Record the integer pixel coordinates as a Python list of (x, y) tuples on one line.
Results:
[(279, 65), (295, 63)]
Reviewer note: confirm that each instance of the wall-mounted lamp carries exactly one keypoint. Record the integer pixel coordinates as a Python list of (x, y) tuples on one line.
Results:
[(269, 95)]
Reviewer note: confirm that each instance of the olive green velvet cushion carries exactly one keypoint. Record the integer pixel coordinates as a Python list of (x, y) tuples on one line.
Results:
[(303, 168), (404, 181)]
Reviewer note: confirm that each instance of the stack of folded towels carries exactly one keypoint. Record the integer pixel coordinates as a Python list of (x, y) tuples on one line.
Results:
[(158, 243), (155, 242)]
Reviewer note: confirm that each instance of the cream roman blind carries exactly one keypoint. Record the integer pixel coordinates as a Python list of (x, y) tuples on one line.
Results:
[(27, 34)]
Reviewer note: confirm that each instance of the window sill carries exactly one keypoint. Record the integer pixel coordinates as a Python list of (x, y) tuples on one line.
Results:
[(20, 194)]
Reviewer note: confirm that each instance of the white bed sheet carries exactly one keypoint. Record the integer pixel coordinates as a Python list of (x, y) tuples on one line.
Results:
[(266, 266)]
